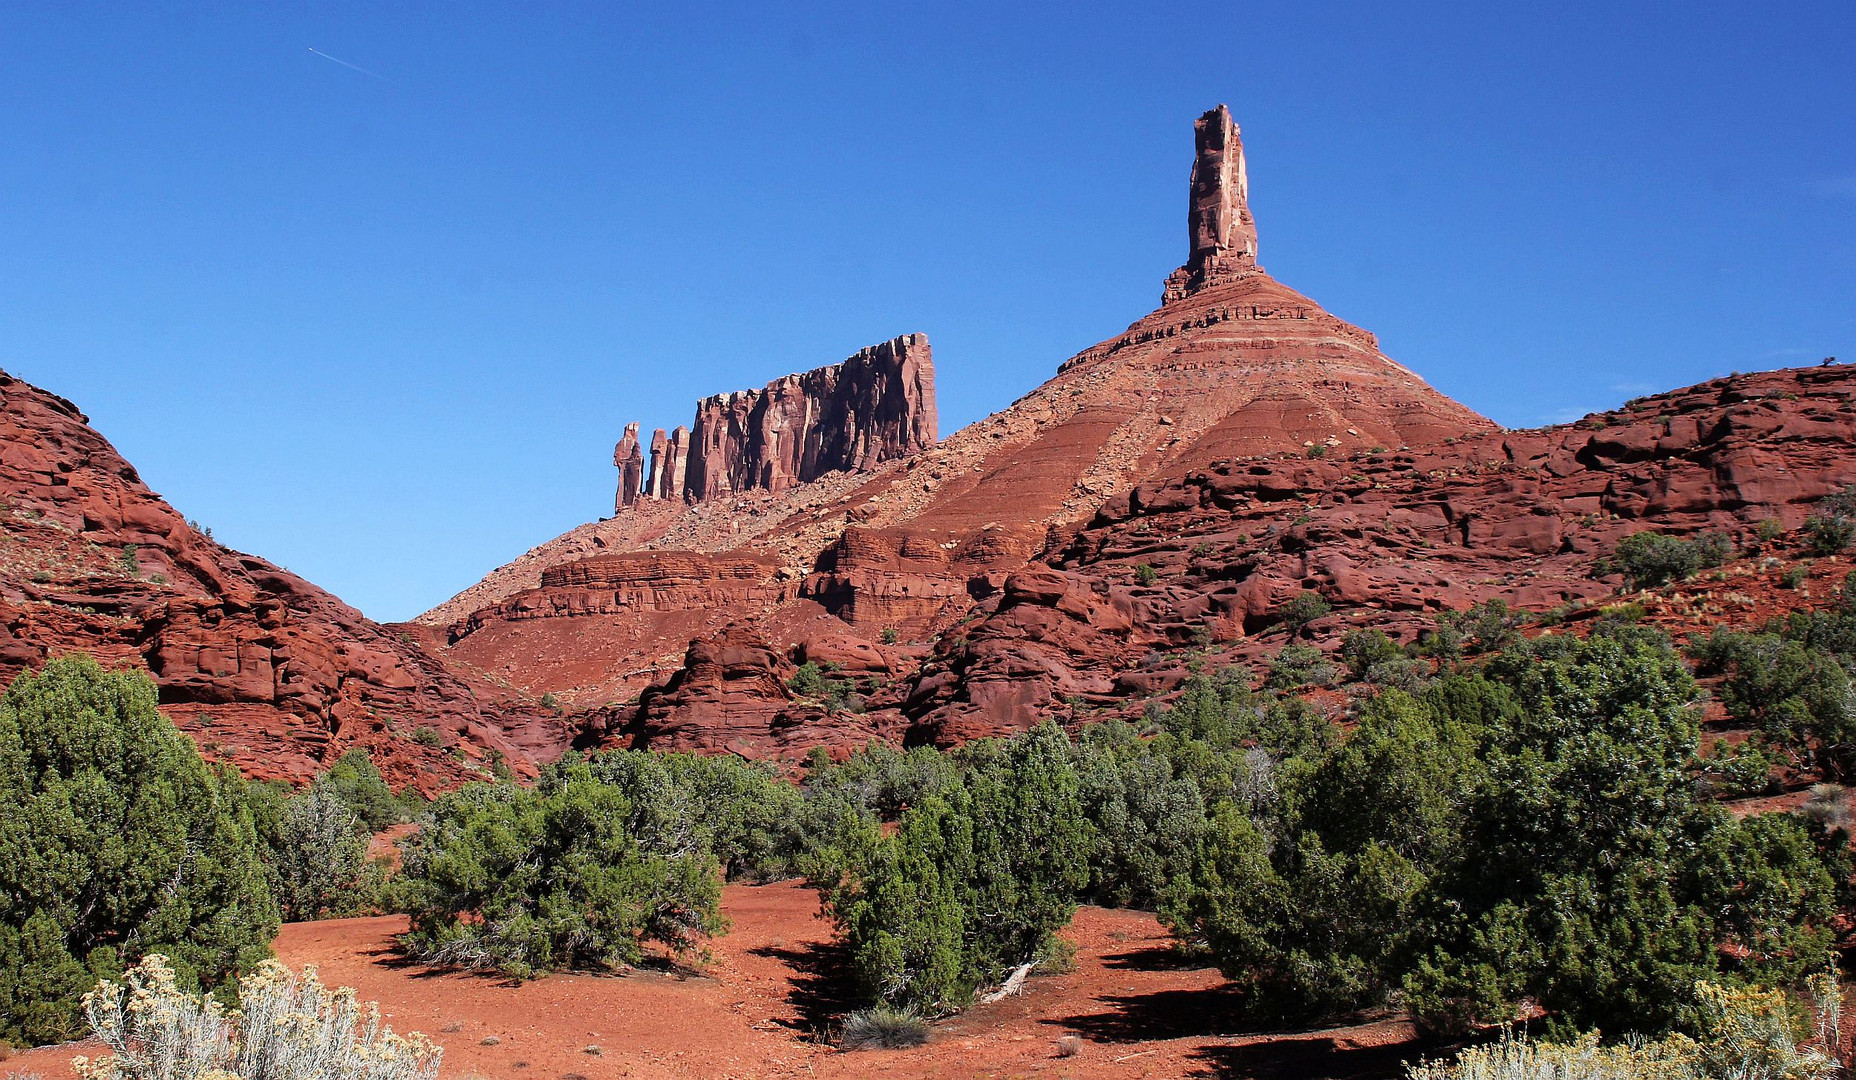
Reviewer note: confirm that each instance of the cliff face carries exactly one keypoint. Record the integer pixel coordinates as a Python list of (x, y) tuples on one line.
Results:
[(849, 417)]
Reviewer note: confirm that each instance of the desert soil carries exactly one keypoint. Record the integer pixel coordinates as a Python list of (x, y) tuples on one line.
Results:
[(776, 982)]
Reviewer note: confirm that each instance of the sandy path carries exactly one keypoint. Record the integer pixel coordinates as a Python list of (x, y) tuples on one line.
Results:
[(775, 979)]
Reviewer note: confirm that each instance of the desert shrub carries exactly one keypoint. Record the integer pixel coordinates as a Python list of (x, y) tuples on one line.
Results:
[(814, 682), (569, 874), (1529, 830), (1829, 535), (1831, 528), (1144, 809), (427, 736), (883, 1027), (1219, 713), (1485, 626), (318, 853), (972, 882), (741, 812), (116, 841), (1407, 673), (1736, 771), (288, 1027), (1745, 1033), (1799, 694), (1648, 559), (1361, 649), (1300, 665), (890, 635), (1302, 609), (1145, 574), (358, 785)]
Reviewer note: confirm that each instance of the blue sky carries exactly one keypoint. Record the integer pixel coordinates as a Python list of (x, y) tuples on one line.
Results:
[(383, 326)]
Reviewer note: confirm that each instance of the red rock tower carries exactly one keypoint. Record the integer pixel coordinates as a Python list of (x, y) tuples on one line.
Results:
[(629, 457), (1222, 233)]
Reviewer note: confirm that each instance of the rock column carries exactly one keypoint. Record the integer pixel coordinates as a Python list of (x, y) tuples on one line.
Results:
[(1221, 232), (629, 457)]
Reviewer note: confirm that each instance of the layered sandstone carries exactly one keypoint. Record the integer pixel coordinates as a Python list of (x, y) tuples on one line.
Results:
[(836, 476), (1222, 233), (262, 668), (876, 406), (1205, 560)]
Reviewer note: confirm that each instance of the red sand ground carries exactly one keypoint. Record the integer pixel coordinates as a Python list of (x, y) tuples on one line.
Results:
[(774, 980)]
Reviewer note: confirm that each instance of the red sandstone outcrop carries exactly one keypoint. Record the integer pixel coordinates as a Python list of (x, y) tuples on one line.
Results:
[(1234, 364), (601, 629), (849, 417), (259, 666), (670, 458), (629, 458), (1206, 560), (1223, 234)]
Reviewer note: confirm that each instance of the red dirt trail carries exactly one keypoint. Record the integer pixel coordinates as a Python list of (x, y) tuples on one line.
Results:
[(776, 979)]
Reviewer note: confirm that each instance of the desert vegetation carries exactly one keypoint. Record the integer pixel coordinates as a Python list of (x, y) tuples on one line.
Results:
[(1505, 824), (287, 1026), (117, 841)]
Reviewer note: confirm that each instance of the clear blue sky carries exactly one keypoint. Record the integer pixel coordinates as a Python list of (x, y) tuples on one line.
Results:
[(383, 326)]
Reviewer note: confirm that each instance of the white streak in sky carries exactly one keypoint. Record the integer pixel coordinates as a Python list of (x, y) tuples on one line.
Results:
[(346, 64)]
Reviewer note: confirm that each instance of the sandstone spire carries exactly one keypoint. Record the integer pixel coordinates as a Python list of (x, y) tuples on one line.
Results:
[(629, 457), (667, 474), (1222, 233)]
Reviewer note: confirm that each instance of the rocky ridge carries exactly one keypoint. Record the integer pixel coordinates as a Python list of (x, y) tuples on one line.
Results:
[(262, 668)]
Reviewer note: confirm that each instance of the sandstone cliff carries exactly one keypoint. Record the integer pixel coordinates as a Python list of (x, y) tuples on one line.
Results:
[(262, 668), (849, 417)]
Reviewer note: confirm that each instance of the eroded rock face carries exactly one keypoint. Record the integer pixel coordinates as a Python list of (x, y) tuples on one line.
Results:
[(1233, 365), (670, 457), (262, 668), (629, 457), (730, 696), (1207, 559), (601, 629), (849, 417), (1222, 233)]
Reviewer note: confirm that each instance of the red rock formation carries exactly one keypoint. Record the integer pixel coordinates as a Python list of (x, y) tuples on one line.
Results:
[(876, 406), (1388, 539), (259, 666), (629, 457), (601, 629), (730, 696), (1234, 364), (1218, 222), (670, 457)]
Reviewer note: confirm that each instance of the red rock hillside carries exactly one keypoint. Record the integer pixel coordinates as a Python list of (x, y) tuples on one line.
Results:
[(1233, 363), (260, 667)]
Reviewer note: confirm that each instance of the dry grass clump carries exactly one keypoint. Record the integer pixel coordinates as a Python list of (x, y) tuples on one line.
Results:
[(883, 1027), (1746, 1034), (288, 1027)]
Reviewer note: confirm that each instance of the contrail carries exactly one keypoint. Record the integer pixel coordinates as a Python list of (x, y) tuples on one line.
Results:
[(346, 64)]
